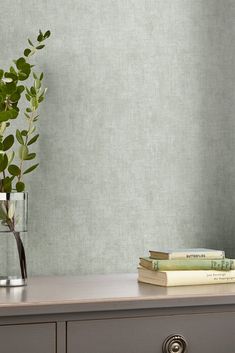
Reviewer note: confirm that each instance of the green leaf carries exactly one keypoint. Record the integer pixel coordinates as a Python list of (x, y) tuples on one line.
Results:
[(23, 152), (3, 162), (20, 88), (10, 157), (12, 70), (7, 184), (30, 43), (34, 139), (28, 110), (14, 113), (20, 63), (24, 71), (30, 169), (37, 84), (40, 37), (3, 212), (8, 142), (15, 97), (40, 46), (43, 92), (27, 52), (22, 76), (27, 116), (20, 186), (11, 75), (40, 99), (47, 34), (32, 91), (10, 87), (14, 170), (19, 137), (4, 116), (24, 132), (1, 74), (30, 156), (9, 114), (41, 76)]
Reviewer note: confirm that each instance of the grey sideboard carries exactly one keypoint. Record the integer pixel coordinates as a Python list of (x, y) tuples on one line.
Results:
[(115, 314)]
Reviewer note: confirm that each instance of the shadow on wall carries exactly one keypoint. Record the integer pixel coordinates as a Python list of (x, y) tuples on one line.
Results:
[(217, 125)]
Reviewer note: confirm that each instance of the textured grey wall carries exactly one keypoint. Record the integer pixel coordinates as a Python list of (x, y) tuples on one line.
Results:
[(137, 145)]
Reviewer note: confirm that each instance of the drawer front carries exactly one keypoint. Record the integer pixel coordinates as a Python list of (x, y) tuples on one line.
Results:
[(33, 338), (204, 333)]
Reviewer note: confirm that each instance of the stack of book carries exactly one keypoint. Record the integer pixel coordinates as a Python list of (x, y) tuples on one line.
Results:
[(186, 267)]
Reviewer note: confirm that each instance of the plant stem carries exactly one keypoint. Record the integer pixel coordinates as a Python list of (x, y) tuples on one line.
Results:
[(20, 248), (25, 144)]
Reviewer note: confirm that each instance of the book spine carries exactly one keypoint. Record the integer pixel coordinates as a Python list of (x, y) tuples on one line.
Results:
[(197, 255), (151, 281), (174, 265), (185, 278)]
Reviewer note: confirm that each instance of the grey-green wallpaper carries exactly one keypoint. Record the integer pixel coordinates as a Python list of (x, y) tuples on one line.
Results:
[(137, 146)]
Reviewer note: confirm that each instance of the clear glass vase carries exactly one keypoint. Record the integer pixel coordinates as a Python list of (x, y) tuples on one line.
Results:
[(13, 224)]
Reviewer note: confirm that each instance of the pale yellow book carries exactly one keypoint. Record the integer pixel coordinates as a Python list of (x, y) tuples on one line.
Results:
[(185, 278)]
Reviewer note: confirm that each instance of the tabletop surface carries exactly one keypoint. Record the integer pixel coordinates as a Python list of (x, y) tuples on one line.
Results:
[(105, 292)]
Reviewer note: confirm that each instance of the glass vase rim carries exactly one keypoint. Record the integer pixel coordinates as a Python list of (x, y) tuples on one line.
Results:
[(13, 195)]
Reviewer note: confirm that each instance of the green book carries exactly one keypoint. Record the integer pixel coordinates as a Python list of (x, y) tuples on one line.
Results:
[(175, 265)]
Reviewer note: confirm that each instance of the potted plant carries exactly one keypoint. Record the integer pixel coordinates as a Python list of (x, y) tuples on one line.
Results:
[(19, 82)]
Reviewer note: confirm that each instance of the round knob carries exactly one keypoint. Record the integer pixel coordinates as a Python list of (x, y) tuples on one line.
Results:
[(174, 344), (175, 347)]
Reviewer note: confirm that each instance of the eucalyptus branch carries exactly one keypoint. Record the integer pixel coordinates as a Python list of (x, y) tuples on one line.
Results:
[(11, 89)]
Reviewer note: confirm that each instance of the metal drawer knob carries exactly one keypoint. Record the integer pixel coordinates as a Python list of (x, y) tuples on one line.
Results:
[(174, 344)]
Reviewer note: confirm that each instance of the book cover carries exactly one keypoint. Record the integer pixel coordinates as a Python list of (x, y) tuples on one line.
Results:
[(187, 264), (185, 278), (180, 254)]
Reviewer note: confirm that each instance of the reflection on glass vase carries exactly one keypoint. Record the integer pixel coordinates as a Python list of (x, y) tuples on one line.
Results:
[(13, 225)]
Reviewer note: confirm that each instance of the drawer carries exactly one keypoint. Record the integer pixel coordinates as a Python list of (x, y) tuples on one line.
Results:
[(33, 338), (205, 333)]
